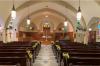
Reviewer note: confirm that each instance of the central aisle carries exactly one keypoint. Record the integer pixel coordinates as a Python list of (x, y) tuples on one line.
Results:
[(46, 57)]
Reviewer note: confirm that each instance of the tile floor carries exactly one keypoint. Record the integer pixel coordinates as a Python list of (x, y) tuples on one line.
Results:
[(45, 57)]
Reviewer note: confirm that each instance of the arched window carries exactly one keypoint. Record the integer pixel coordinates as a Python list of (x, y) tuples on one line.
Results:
[(98, 26)]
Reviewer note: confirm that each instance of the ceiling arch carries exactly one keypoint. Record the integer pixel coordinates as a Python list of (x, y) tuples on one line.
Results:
[(67, 7), (61, 27), (27, 28), (24, 11), (97, 1), (29, 3), (47, 10), (93, 23), (43, 10), (90, 8)]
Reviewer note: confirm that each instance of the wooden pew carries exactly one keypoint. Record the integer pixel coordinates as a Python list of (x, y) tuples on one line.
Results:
[(80, 54), (16, 53), (14, 57), (83, 57)]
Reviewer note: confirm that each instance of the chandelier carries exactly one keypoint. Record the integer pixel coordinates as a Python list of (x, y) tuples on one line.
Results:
[(28, 18), (13, 12), (28, 21), (65, 23), (79, 14)]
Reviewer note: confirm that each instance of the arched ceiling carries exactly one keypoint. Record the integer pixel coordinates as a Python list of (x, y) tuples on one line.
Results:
[(53, 16), (52, 6), (67, 8)]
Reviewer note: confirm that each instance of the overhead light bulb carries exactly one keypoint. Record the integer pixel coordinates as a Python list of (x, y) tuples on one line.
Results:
[(90, 29), (46, 16), (65, 23), (79, 14), (13, 13), (28, 21)]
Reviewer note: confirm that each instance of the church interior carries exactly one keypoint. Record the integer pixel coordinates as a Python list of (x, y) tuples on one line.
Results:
[(49, 32)]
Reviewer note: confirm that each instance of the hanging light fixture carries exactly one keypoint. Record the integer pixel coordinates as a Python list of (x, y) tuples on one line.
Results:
[(65, 23), (46, 16), (28, 18), (28, 21), (90, 29), (79, 14), (13, 12)]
